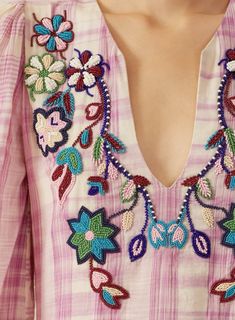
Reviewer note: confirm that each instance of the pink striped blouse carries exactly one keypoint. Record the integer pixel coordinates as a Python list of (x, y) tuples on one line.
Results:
[(86, 231)]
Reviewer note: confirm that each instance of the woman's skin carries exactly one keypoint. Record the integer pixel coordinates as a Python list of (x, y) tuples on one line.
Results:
[(162, 41)]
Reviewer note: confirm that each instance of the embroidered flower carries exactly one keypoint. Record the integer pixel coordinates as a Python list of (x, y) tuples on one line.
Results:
[(44, 74), (55, 34), (92, 236), (85, 70), (51, 129), (225, 288)]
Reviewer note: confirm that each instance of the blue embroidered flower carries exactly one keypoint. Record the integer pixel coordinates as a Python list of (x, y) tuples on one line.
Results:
[(54, 34), (228, 224), (92, 236)]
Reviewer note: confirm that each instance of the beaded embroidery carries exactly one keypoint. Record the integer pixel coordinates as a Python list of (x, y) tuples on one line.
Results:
[(55, 34), (51, 129), (92, 238), (44, 74), (92, 234), (225, 288)]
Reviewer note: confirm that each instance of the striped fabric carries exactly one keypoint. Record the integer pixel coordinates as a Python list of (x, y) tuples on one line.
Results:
[(39, 274)]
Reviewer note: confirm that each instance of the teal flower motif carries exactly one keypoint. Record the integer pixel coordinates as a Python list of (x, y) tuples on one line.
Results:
[(72, 158), (92, 236)]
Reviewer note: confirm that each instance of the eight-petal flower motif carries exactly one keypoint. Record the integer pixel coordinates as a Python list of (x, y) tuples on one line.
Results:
[(55, 34), (44, 74), (85, 70), (51, 129), (92, 236)]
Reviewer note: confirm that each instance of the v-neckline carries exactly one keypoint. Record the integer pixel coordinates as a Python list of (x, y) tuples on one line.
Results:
[(187, 162)]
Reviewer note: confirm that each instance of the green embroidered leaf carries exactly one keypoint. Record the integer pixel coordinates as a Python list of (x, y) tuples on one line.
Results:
[(204, 188), (96, 223), (128, 191), (104, 232), (77, 239), (230, 138), (230, 225), (84, 248), (98, 149)]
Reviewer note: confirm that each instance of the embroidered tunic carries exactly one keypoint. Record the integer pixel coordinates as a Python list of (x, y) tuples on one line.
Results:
[(86, 231)]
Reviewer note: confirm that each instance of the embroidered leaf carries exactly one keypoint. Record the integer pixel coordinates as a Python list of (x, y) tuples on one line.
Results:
[(115, 143), (68, 103), (190, 182), (98, 185), (230, 224), (101, 168), (225, 288), (72, 158), (215, 139), (64, 100), (177, 235), (137, 247), (229, 103), (57, 173), (208, 217), (112, 171), (228, 161), (98, 151), (230, 180), (86, 138), (218, 167), (101, 282), (142, 181), (53, 100), (128, 191), (127, 220), (201, 244), (66, 184), (93, 111), (157, 234), (204, 188), (230, 139)]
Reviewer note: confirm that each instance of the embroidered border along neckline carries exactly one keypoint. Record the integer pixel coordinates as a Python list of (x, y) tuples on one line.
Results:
[(85, 73)]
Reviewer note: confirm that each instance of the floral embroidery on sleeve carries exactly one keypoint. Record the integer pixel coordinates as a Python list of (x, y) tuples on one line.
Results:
[(44, 74), (54, 33)]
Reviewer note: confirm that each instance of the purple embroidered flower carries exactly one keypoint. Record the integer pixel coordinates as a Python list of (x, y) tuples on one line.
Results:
[(55, 34), (51, 129), (85, 70)]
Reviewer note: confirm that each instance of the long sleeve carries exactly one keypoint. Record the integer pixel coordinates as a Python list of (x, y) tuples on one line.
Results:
[(16, 267)]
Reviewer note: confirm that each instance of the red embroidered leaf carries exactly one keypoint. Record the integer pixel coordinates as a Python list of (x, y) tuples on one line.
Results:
[(215, 139), (115, 143), (86, 138), (57, 172), (190, 182), (93, 111), (68, 102), (230, 104), (65, 183), (53, 99), (142, 181)]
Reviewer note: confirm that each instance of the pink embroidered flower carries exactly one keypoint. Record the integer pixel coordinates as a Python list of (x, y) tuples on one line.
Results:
[(51, 129), (54, 34), (85, 70)]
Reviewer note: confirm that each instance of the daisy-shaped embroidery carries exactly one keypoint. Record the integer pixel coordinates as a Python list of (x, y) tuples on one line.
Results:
[(85, 70), (44, 74), (51, 129), (92, 236), (55, 34)]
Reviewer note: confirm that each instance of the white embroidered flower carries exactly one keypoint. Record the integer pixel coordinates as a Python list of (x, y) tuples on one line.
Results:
[(44, 74)]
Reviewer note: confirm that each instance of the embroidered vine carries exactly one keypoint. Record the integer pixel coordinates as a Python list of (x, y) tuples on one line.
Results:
[(53, 33)]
